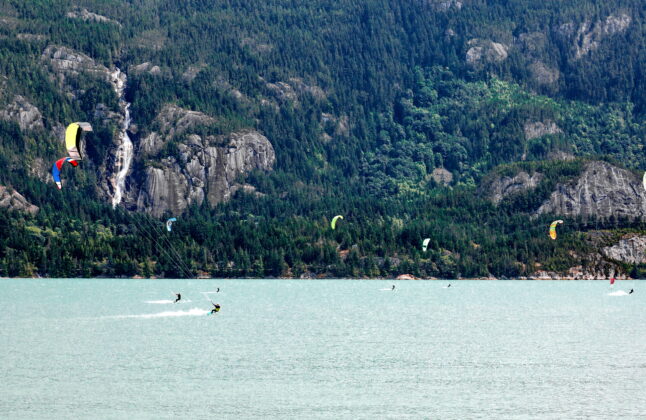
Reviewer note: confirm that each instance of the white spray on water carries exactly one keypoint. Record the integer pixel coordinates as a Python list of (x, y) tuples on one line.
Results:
[(125, 148), (166, 314)]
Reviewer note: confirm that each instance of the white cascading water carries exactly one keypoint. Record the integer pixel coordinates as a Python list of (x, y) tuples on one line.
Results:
[(125, 148)]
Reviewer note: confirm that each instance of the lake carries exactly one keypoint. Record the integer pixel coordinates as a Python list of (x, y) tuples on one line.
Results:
[(117, 349)]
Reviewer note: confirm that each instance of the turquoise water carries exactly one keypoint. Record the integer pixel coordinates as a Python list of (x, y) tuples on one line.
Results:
[(77, 349)]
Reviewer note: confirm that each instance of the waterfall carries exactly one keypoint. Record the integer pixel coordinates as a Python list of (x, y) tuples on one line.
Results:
[(125, 148)]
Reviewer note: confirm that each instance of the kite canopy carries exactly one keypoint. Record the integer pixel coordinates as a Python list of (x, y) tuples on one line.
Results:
[(425, 244), (169, 223), (73, 138), (553, 228), (58, 166), (333, 223)]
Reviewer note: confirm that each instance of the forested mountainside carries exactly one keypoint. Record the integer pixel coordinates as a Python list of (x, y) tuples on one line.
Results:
[(469, 122)]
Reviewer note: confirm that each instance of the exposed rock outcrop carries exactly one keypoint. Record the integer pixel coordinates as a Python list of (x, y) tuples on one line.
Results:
[(201, 167), (25, 114), (13, 200), (145, 68), (631, 249), (602, 191), (172, 121), (291, 91), (339, 126), (588, 35), (535, 47), (303, 88), (600, 271), (86, 15), (544, 75), (445, 5), (65, 62), (192, 71), (499, 188), (31, 37), (540, 128), (282, 91), (485, 51), (442, 176)]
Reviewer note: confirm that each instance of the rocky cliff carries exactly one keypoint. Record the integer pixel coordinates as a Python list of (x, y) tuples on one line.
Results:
[(499, 188), (602, 191), (631, 249), (86, 15), (536, 129), (182, 167), (65, 64), (485, 51), (614, 252), (22, 112), (13, 200), (587, 35)]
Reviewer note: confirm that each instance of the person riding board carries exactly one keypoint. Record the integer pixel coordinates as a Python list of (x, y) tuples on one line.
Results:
[(216, 308), (393, 287), (631, 291), (179, 297)]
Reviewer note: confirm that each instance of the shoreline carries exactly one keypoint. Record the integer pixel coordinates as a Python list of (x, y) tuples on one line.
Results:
[(399, 278)]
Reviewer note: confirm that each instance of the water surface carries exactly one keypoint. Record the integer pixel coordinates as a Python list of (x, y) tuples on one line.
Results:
[(119, 349)]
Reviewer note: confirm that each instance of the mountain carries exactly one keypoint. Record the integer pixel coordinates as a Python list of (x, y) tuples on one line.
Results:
[(254, 123)]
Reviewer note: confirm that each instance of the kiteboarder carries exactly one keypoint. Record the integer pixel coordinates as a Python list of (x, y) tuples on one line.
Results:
[(179, 297), (449, 285), (217, 291), (631, 292), (216, 308), (393, 287)]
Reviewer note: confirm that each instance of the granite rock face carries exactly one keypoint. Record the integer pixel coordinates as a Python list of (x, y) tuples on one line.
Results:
[(66, 64), (540, 128), (587, 36), (631, 249), (442, 176), (497, 189), (602, 191), (198, 167), (485, 51), (22, 112), (13, 200), (86, 15), (65, 60)]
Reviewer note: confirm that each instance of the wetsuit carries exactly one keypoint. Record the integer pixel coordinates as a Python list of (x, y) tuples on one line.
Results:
[(179, 296), (631, 291)]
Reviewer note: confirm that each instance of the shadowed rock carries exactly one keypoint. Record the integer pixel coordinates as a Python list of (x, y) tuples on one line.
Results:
[(499, 188)]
